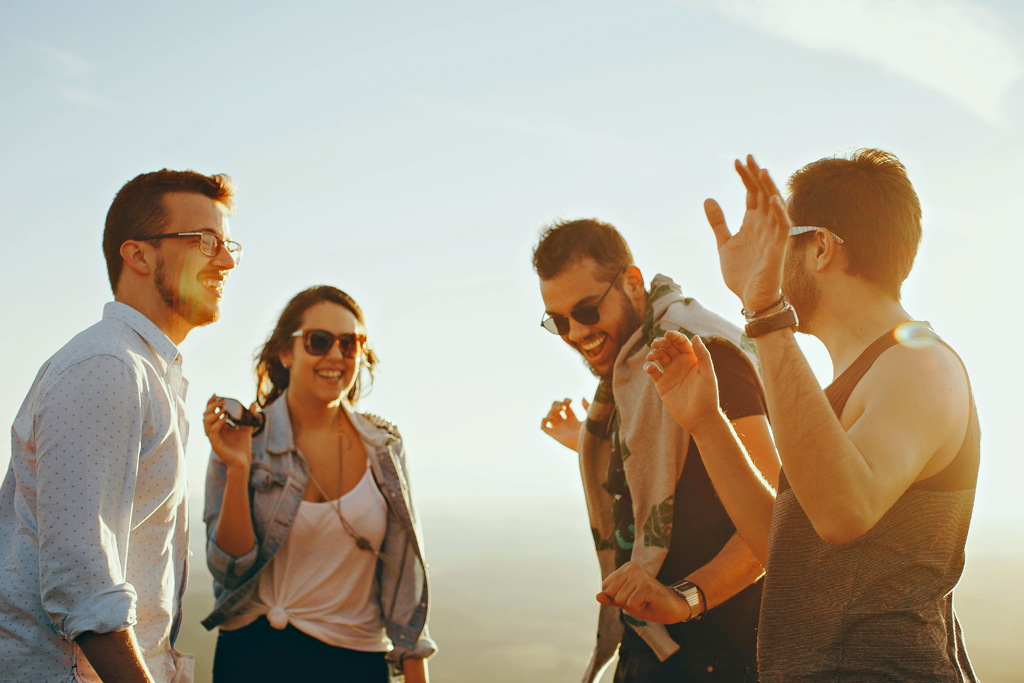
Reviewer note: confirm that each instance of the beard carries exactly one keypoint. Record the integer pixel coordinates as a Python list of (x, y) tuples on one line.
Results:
[(189, 308), (799, 288), (629, 323)]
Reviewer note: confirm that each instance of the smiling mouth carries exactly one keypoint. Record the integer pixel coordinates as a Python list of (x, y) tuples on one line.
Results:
[(332, 375), (214, 284), (593, 348)]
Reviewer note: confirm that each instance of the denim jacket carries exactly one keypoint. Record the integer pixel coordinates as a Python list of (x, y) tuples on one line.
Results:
[(277, 482)]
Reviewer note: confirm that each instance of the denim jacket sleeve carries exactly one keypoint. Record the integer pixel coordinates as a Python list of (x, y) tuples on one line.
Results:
[(229, 571), (424, 647)]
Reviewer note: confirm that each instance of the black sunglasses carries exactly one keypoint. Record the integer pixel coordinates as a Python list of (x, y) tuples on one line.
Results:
[(586, 315), (320, 342)]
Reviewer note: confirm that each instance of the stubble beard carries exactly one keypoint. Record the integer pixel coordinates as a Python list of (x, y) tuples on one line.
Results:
[(191, 310), (801, 292), (630, 323)]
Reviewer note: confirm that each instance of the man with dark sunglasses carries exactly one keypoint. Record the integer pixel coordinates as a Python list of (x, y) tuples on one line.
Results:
[(94, 507), (650, 501)]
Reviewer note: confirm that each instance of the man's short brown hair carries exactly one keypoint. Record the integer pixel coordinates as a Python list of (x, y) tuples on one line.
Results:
[(867, 199), (563, 243), (138, 210)]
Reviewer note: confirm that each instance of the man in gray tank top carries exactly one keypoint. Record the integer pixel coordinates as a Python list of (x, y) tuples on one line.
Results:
[(864, 540)]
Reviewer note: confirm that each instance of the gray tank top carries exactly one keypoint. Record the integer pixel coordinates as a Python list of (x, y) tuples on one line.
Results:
[(879, 607)]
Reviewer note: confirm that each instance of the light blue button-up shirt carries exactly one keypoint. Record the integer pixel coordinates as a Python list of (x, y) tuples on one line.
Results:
[(94, 507)]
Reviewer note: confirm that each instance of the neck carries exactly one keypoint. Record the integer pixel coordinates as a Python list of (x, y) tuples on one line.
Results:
[(310, 414), (848, 321), (160, 314)]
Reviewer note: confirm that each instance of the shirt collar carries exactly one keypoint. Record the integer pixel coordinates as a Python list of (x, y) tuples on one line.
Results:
[(280, 438), (160, 342)]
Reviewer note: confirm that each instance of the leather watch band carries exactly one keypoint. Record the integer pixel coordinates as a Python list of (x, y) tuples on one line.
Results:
[(776, 321)]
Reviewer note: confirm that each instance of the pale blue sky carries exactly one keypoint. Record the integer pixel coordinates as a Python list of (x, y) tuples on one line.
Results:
[(408, 153)]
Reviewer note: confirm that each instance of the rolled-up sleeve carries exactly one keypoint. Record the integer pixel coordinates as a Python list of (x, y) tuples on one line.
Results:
[(89, 435), (228, 570)]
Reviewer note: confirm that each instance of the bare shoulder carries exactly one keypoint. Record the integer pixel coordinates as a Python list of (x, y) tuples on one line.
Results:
[(917, 388)]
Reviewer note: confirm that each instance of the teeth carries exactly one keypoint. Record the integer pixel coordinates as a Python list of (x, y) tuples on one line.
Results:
[(329, 374), (212, 283), (590, 346)]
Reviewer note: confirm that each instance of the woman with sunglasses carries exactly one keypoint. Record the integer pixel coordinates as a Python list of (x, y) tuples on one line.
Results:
[(312, 538)]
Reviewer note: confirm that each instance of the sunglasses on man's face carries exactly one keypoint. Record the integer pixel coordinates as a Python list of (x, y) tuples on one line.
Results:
[(320, 342), (585, 315)]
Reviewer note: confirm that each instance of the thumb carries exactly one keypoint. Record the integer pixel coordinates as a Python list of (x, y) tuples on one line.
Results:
[(717, 220)]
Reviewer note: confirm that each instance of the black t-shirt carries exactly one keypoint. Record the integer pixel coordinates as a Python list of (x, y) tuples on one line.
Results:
[(700, 526)]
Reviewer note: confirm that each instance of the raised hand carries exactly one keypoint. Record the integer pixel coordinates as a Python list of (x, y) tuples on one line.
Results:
[(686, 380), (561, 423), (753, 258), (636, 591), (233, 445)]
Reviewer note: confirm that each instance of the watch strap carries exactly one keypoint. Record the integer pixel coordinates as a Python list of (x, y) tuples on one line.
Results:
[(776, 321), (691, 594)]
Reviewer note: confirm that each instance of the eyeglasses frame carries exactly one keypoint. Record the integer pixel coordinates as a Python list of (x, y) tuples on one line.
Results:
[(802, 229), (235, 254), (578, 308)]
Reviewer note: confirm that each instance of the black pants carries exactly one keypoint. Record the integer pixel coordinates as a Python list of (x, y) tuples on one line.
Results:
[(641, 665), (259, 652)]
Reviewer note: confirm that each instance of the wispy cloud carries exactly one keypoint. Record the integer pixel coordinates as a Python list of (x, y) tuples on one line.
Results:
[(958, 48), (72, 71)]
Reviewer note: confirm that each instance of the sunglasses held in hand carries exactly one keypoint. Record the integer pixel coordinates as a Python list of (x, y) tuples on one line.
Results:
[(320, 342), (237, 415)]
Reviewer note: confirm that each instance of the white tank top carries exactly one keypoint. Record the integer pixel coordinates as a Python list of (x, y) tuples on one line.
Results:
[(320, 582)]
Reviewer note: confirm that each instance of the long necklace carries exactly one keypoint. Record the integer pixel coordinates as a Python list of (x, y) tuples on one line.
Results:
[(361, 542)]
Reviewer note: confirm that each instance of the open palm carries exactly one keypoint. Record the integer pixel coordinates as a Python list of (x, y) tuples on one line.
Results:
[(686, 381), (753, 258)]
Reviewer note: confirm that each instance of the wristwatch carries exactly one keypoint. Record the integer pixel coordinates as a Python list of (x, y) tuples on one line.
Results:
[(692, 594), (776, 321)]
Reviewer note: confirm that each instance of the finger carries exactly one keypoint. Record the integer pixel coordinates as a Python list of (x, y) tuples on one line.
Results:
[(749, 180), (717, 220), (671, 350), (654, 369), (678, 343), (586, 404), (767, 183), (704, 363), (781, 217), (605, 599)]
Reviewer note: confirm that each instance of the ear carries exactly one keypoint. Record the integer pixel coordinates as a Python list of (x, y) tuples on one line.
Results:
[(286, 358), (139, 257), (824, 251), (633, 282)]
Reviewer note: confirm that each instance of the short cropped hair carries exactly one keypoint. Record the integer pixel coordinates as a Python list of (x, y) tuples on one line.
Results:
[(138, 210), (565, 242), (867, 199)]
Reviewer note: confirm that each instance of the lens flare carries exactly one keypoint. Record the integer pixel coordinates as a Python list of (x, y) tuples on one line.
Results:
[(914, 334)]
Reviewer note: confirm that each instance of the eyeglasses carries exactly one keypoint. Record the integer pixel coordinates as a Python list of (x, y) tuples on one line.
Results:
[(801, 229), (587, 315), (209, 244), (320, 342)]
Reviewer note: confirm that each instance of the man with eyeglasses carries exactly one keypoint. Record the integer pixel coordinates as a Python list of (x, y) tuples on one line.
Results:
[(651, 504), (863, 539), (94, 507)]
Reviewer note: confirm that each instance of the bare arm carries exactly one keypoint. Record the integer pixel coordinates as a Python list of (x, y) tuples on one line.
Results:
[(415, 670), (115, 656)]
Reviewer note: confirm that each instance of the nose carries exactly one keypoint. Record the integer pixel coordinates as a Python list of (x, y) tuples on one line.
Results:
[(335, 351), (223, 260), (577, 330)]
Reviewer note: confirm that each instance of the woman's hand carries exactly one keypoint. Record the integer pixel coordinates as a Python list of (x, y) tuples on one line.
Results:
[(233, 445), (561, 423)]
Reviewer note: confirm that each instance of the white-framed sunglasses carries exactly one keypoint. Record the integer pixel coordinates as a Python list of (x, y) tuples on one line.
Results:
[(801, 229)]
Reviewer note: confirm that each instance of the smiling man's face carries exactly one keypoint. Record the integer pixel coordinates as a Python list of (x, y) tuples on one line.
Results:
[(190, 283), (581, 283)]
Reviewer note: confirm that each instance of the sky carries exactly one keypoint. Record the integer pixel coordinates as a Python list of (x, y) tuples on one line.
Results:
[(408, 153)]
